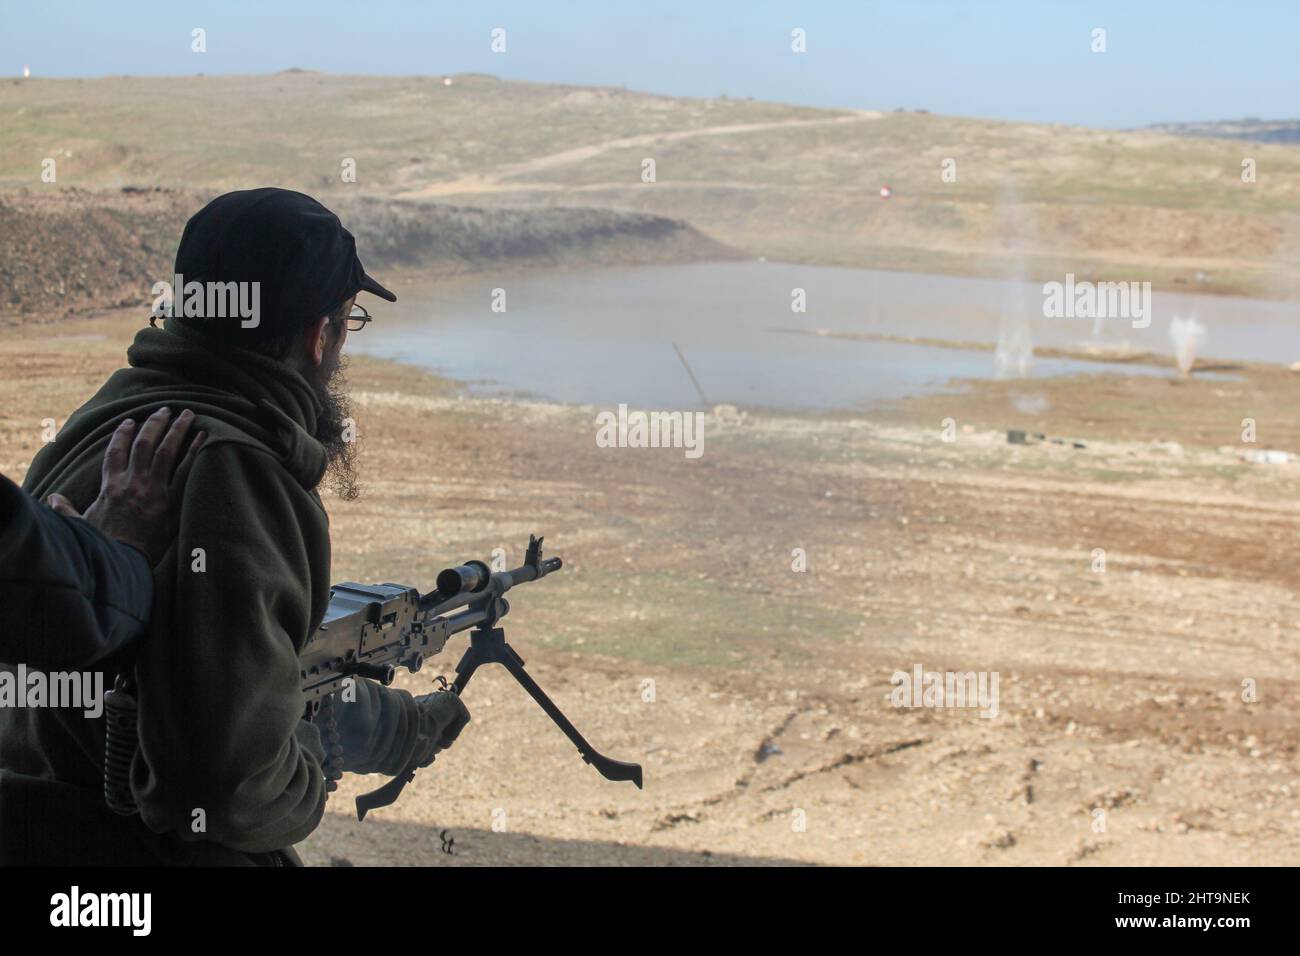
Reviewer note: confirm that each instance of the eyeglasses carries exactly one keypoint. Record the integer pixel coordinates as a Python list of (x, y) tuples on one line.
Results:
[(357, 319)]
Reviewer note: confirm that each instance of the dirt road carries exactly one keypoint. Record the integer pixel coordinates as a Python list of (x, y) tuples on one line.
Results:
[(501, 179)]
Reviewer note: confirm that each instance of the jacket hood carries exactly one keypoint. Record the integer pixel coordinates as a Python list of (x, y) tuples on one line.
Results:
[(236, 395)]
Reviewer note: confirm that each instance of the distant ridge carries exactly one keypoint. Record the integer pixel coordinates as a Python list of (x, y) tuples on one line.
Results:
[(1262, 131), (72, 250)]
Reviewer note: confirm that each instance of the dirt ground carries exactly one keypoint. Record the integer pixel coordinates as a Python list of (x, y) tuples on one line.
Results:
[(757, 697)]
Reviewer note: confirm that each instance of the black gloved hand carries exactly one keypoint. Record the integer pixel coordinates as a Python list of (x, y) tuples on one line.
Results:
[(443, 715)]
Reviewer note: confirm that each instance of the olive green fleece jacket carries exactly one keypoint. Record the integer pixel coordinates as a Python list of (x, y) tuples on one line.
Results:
[(236, 597)]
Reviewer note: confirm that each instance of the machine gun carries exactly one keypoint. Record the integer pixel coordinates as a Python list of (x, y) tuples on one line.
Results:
[(370, 630)]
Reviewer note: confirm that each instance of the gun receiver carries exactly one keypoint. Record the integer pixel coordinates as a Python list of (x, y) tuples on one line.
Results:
[(370, 630)]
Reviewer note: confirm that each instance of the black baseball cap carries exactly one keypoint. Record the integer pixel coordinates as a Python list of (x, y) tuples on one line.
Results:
[(304, 261)]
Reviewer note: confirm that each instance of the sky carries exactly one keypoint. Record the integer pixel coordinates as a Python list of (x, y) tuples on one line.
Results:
[(1027, 60)]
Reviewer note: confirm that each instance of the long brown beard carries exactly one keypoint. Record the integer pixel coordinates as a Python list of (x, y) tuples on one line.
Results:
[(331, 386)]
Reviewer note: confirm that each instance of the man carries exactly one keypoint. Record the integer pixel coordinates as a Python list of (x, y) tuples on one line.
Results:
[(227, 771), (76, 591)]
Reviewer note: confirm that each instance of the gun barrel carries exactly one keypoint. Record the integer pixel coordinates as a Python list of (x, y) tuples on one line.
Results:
[(530, 572)]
